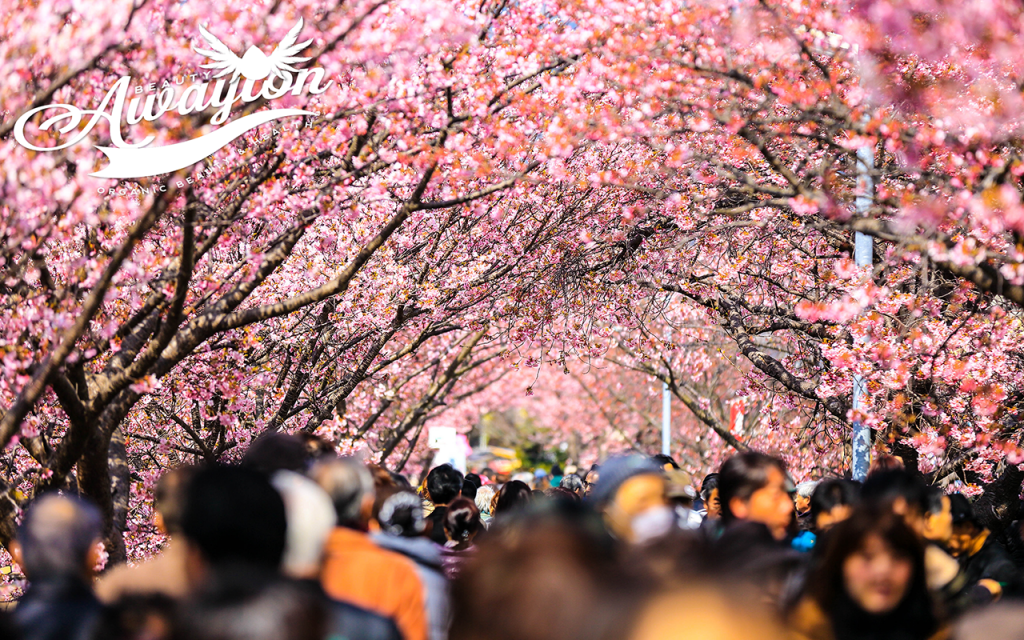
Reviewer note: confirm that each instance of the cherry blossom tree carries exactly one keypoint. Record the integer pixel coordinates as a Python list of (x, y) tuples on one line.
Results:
[(607, 194), (260, 289)]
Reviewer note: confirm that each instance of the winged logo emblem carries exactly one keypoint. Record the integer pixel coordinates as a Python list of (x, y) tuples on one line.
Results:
[(254, 64)]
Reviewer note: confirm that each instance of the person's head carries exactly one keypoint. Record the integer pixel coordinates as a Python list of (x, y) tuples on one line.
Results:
[(317, 447), (541, 480), (444, 483), (938, 517), (401, 514), (135, 617), (665, 462), (873, 564), (886, 462), (709, 494), (382, 478), (592, 477), (462, 522), (469, 489), (753, 486), (965, 525), (679, 488), (350, 486), (484, 497), (475, 479), (901, 491), (705, 611), (169, 499), (490, 474), (234, 516), (573, 483), (631, 495), (832, 502), (802, 499), (558, 493), (277, 451), (59, 538), (547, 574), (310, 516), (237, 605), (556, 470), (514, 495), (400, 480)]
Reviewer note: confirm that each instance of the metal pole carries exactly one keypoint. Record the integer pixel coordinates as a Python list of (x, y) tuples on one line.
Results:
[(863, 255), (666, 418)]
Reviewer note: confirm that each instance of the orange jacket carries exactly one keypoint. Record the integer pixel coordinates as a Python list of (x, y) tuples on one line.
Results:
[(359, 572)]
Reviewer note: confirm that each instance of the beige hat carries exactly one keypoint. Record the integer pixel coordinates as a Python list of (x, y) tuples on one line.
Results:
[(679, 484)]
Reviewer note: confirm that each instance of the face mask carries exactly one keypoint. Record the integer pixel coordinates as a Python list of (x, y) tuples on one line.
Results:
[(652, 524)]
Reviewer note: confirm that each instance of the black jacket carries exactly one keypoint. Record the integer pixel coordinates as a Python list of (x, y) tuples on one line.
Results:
[(992, 562), (436, 518), (63, 609), (349, 622)]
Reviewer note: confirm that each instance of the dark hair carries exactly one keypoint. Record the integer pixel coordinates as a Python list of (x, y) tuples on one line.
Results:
[(169, 497), (933, 499), (475, 479), (885, 462), (661, 460), (462, 522), (513, 495), (381, 477), (573, 483), (546, 575), (556, 469), (468, 489), (56, 536), (832, 493), (273, 452), (134, 616), (400, 480), (561, 493), (234, 515), (963, 512), (709, 484), (913, 617), (444, 484), (883, 487), (742, 475)]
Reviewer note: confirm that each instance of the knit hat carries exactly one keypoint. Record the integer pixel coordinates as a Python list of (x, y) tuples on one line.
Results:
[(616, 471)]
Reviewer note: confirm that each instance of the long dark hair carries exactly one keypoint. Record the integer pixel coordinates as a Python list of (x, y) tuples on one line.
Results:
[(914, 618)]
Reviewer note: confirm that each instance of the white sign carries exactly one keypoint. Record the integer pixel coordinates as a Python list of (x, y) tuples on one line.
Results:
[(441, 437)]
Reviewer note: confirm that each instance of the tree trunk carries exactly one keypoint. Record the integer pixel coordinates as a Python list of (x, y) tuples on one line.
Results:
[(120, 488), (94, 484), (998, 505)]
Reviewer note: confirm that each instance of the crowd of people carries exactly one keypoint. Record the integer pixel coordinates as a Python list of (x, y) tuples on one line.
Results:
[(295, 543)]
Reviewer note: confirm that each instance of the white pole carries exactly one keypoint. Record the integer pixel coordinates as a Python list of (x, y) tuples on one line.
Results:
[(863, 251), (666, 418)]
